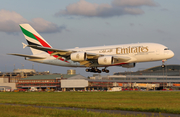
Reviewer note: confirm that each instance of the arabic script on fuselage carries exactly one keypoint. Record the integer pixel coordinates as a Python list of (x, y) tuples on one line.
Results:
[(106, 51)]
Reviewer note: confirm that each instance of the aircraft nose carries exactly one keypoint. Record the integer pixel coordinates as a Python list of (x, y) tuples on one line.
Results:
[(171, 54)]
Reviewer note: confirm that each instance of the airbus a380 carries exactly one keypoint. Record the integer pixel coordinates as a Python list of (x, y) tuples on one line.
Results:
[(126, 55)]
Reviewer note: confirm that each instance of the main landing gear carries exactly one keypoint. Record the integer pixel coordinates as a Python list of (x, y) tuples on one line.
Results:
[(105, 70), (96, 70)]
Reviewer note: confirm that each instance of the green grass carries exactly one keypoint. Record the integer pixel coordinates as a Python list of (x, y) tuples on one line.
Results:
[(164, 102), (22, 111)]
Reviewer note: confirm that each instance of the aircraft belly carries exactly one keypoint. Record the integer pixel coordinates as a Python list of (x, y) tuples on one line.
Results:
[(148, 57)]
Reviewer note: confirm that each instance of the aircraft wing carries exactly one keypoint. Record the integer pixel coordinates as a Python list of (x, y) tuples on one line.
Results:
[(64, 53), (29, 56), (91, 57)]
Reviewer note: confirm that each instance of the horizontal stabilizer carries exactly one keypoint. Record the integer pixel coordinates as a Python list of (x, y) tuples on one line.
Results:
[(29, 56), (48, 49), (24, 45)]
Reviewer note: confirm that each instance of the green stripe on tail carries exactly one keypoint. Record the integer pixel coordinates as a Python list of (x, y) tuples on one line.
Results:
[(27, 33)]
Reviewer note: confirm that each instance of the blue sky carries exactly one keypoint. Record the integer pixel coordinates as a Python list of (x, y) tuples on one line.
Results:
[(84, 23)]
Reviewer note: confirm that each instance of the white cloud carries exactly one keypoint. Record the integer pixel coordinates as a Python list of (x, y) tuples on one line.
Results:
[(133, 3), (117, 8), (42, 25), (85, 8), (133, 10), (10, 20)]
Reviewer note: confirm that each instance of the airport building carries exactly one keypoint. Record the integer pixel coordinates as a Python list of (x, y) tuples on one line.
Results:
[(5, 85), (154, 78), (53, 81), (8, 80), (17, 74), (151, 78), (168, 70)]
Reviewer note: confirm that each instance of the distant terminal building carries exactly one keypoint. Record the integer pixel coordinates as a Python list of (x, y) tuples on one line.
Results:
[(71, 72), (6, 85), (164, 77), (24, 70), (8, 80), (53, 81), (169, 70), (17, 74), (151, 78)]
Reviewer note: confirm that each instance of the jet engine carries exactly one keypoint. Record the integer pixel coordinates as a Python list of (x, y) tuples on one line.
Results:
[(105, 60), (129, 65), (78, 56)]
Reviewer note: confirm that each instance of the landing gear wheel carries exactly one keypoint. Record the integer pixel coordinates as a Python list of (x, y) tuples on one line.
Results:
[(96, 70), (93, 69), (99, 71), (163, 66), (107, 71), (87, 70)]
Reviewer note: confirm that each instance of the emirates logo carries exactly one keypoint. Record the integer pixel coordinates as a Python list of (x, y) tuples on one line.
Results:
[(77, 56), (105, 60)]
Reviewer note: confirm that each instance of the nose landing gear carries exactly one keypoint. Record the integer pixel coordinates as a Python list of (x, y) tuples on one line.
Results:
[(163, 62)]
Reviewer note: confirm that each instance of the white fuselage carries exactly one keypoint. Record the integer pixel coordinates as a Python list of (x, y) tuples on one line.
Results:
[(138, 52)]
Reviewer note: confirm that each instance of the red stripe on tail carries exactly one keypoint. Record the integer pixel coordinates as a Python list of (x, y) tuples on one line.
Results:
[(44, 44)]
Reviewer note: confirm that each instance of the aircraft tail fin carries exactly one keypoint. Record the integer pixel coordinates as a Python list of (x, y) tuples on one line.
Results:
[(33, 38)]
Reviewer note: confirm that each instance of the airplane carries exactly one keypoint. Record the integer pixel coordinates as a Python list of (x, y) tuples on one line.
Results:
[(125, 55)]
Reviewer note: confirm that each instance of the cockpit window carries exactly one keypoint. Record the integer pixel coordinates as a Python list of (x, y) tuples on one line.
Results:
[(166, 48)]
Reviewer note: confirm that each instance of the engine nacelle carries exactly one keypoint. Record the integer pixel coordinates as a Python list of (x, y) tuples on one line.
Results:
[(129, 65), (78, 56), (105, 60)]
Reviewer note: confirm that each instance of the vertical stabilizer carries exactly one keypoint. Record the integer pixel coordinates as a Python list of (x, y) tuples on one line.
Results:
[(33, 38)]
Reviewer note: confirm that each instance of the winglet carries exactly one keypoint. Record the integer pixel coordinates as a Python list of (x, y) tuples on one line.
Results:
[(24, 45)]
